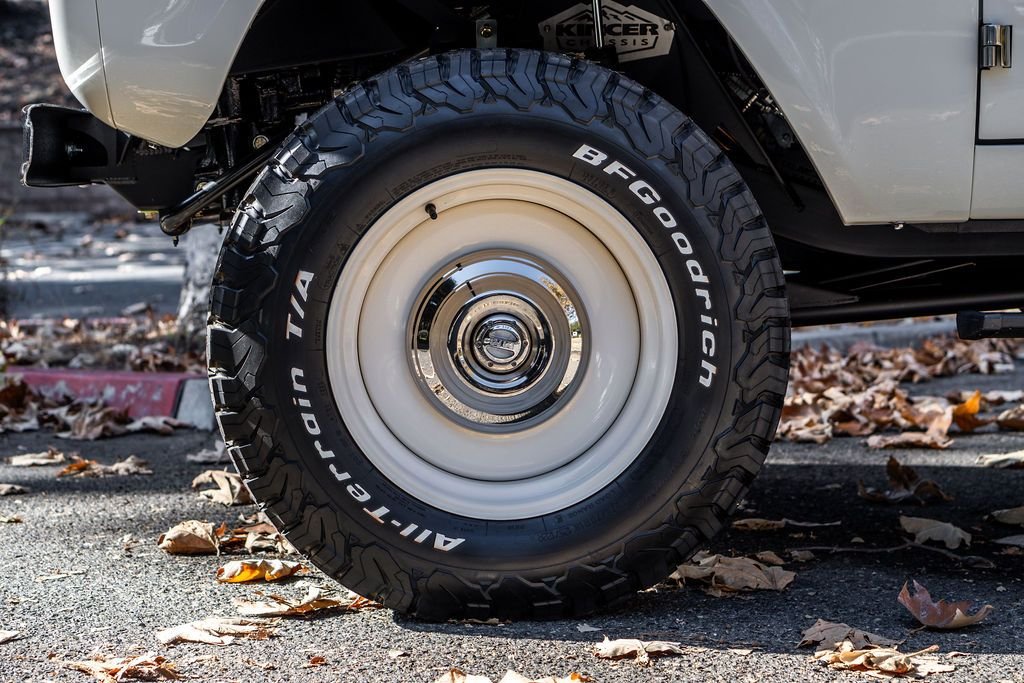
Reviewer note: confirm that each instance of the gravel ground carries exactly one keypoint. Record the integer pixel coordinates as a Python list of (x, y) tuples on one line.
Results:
[(123, 597)]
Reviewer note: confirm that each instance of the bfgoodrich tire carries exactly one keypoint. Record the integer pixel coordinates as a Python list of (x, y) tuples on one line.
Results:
[(498, 334)]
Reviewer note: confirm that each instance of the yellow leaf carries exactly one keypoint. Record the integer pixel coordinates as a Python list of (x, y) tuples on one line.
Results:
[(240, 571)]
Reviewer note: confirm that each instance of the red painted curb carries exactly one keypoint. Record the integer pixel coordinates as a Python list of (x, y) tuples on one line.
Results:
[(141, 394)]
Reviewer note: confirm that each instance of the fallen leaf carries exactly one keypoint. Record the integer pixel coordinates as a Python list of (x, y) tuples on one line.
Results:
[(586, 628), (941, 614), (911, 440), (1011, 419), (1017, 541), (769, 557), (217, 631), (458, 676), (191, 537), (965, 414), (831, 635), (315, 599), (725, 576), (395, 654), (1013, 460), (147, 667), (925, 529), (886, 662), (1011, 516), (80, 467), (639, 649), (513, 677), (161, 424), (801, 555), (904, 487), (51, 457), (7, 636), (758, 524), (12, 489), (230, 488), (239, 571), (133, 464), (10, 519), (314, 661)]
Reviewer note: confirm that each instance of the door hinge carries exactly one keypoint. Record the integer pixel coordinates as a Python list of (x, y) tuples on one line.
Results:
[(996, 46)]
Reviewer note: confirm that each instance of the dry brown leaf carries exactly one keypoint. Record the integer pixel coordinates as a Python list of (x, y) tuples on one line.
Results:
[(458, 676), (89, 420), (191, 537), (80, 467), (941, 614), (217, 631), (1011, 516), (315, 661), (158, 424), (831, 635), (759, 524), (769, 557), (925, 529), (638, 649), (10, 519), (931, 440), (51, 457), (904, 487), (314, 600), (240, 571), (1011, 461), (886, 662), (724, 576), (109, 669), (1012, 419), (231, 490), (12, 489)]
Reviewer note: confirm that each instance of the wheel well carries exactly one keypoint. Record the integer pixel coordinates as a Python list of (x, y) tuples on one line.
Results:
[(289, 66)]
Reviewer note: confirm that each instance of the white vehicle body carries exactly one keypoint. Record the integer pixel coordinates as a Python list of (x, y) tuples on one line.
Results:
[(884, 97)]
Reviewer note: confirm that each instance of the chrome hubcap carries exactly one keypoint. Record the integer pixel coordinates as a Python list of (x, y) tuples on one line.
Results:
[(497, 340)]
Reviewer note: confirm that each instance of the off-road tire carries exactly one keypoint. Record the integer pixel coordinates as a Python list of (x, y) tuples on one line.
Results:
[(380, 141)]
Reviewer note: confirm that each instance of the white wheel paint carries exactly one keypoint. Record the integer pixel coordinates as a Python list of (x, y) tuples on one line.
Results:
[(550, 464)]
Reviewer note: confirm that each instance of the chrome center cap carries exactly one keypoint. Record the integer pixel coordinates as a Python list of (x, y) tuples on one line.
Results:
[(501, 343)]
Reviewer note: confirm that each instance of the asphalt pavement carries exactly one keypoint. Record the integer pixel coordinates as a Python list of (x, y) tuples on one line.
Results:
[(121, 597), (66, 264)]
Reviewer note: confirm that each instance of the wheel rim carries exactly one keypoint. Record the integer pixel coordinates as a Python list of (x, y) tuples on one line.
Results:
[(536, 276)]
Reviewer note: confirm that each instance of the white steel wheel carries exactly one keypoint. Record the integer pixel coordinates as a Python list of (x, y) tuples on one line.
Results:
[(498, 333), (502, 344)]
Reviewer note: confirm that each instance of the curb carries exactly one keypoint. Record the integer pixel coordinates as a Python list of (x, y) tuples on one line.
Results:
[(904, 333), (184, 396)]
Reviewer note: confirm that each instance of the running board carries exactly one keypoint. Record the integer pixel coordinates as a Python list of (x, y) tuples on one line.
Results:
[(978, 325)]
